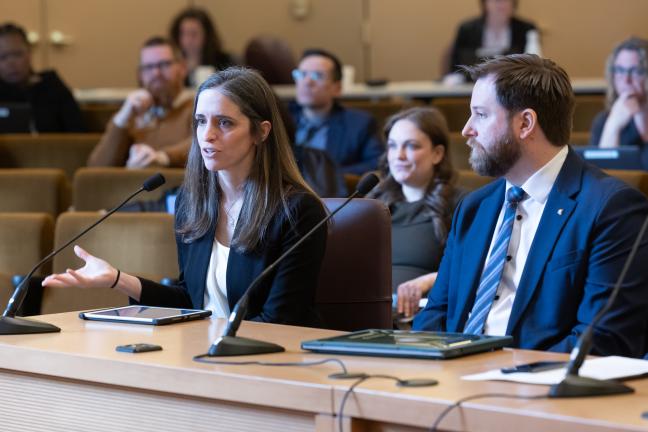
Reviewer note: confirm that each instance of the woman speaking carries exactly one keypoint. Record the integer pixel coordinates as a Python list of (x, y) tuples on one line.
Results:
[(242, 204)]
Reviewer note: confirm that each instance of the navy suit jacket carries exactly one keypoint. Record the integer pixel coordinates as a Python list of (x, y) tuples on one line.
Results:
[(286, 296), (352, 140), (586, 231)]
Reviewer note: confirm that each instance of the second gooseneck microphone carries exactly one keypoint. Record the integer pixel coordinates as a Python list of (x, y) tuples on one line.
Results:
[(228, 344)]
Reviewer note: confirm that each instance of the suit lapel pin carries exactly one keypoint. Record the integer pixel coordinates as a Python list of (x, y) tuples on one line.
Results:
[(560, 212)]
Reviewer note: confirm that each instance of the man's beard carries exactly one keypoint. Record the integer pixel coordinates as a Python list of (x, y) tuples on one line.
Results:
[(163, 93), (497, 161)]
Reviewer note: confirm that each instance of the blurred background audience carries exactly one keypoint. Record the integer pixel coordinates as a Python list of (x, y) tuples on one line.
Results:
[(34, 101), (496, 31), (625, 120), (196, 35)]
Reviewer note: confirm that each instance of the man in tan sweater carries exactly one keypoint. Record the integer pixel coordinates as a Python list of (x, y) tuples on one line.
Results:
[(153, 126)]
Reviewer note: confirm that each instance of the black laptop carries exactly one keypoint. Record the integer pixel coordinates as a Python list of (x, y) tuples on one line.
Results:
[(15, 118), (409, 344), (624, 157)]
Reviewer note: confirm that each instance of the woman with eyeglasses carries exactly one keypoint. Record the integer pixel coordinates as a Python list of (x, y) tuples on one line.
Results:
[(625, 121), (243, 203)]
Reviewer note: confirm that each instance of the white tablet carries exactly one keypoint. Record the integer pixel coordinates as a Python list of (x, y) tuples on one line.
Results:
[(150, 315)]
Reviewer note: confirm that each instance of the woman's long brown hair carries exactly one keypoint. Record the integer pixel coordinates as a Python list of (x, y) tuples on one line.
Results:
[(273, 178), (440, 191)]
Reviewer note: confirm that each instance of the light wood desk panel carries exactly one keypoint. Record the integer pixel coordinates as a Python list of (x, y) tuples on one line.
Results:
[(77, 376), (74, 380)]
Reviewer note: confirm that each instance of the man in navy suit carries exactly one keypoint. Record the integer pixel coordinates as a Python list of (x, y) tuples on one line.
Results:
[(348, 136), (535, 254)]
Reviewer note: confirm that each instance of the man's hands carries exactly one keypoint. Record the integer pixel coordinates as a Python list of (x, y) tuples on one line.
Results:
[(137, 102), (411, 292), (143, 155)]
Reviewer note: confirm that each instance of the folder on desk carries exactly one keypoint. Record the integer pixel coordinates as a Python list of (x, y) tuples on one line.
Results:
[(409, 344)]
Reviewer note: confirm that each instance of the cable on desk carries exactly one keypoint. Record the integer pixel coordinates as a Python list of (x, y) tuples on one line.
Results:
[(399, 382), (361, 377), (203, 359), (457, 404)]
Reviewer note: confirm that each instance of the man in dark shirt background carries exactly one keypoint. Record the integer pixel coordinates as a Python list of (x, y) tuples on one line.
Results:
[(48, 102)]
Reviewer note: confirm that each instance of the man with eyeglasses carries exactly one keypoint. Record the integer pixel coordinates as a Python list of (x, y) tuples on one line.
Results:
[(32, 101), (153, 126), (348, 136), (625, 122)]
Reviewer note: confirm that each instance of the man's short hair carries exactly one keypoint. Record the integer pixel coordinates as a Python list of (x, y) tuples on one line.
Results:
[(337, 66), (10, 28), (527, 81), (162, 41)]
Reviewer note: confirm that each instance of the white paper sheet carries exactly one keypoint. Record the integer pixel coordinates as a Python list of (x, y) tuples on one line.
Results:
[(612, 367)]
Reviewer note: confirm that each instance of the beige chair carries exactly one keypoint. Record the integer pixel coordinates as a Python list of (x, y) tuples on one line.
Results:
[(456, 111), (6, 289), (580, 138), (33, 190), (635, 178), (585, 109), (470, 180), (381, 110), (141, 244), (67, 151), (97, 115), (351, 182), (25, 238), (459, 151), (354, 290), (104, 188)]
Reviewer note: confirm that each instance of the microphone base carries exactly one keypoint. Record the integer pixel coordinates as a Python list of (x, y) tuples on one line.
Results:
[(238, 346), (16, 326), (578, 386)]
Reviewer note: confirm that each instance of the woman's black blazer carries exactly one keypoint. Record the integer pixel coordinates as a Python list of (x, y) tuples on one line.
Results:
[(286, 296)]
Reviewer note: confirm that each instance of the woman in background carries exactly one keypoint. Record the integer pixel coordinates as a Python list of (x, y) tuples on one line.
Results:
[(625, 121), (196, 35), (242, 205), (496, 31), (417, 188)]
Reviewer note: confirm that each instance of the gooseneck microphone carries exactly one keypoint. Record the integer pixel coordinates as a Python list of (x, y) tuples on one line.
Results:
[(9, 324), (574, 385), (231, 345)]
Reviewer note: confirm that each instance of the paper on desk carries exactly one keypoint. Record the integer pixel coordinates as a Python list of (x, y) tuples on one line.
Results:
[(612, 367)]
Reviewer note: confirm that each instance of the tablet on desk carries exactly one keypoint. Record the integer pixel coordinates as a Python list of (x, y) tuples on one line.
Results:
[(408, 344), (145, 315)]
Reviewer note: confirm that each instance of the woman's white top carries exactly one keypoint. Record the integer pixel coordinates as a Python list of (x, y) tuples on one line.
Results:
[(494, 42), (216, 284)]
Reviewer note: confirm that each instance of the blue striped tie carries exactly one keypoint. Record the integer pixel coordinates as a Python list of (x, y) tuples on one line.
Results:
[(492, 273)]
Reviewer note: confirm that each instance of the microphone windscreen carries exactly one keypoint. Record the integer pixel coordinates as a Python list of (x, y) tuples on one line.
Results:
[(366, 183), (153, 182)]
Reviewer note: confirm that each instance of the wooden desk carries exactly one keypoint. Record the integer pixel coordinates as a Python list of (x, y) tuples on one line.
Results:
[(74, 380)]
